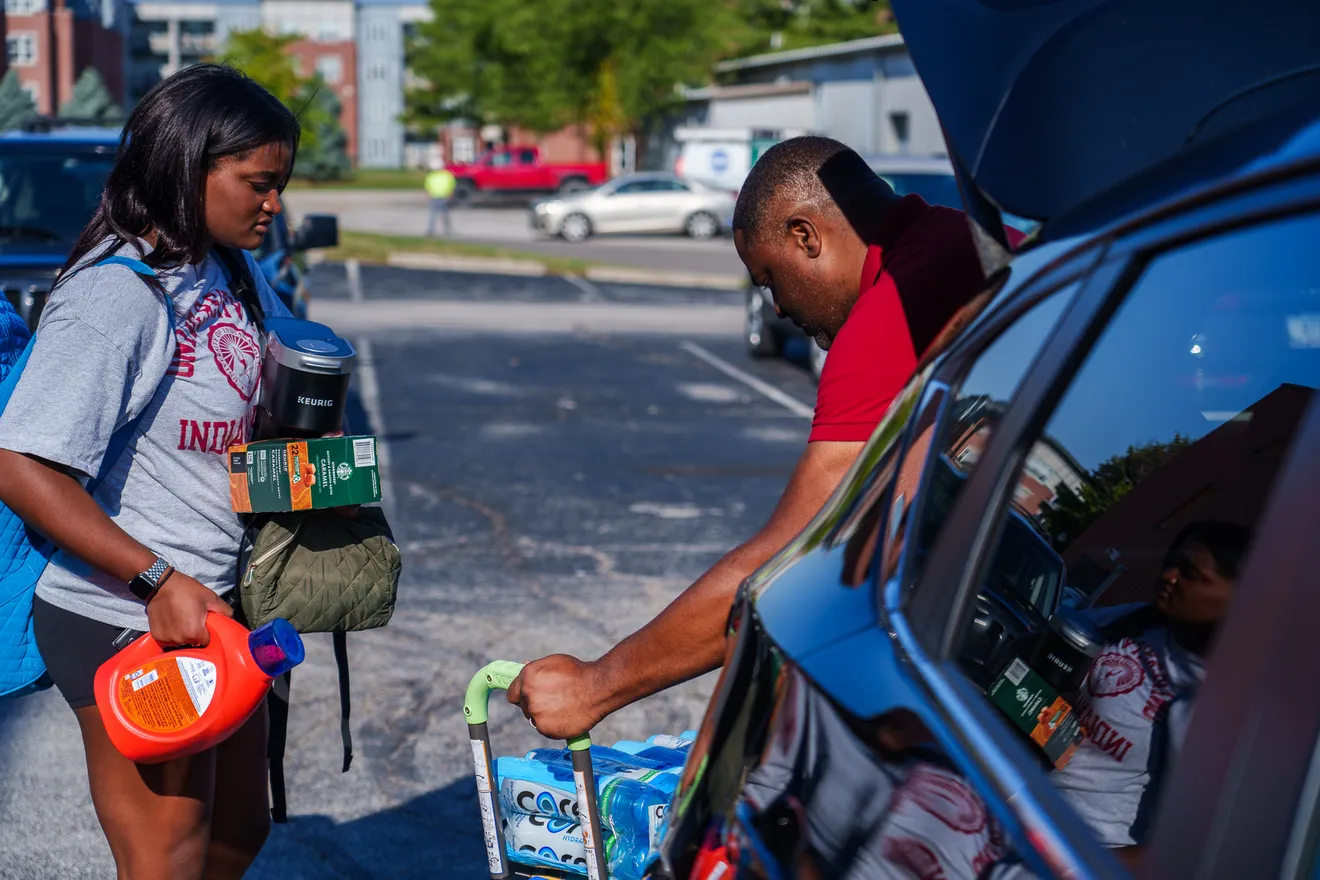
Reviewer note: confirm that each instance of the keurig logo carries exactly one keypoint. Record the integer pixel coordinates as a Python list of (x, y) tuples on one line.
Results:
[(315, 401)]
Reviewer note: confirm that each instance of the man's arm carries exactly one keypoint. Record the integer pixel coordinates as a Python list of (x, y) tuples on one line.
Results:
[(564, 696)]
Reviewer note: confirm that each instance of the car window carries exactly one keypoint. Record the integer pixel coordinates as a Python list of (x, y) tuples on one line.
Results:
[(975, 408), (527, 157), (501, 160), (47, 197), (1138, 501), (633, 187), (938, 188)]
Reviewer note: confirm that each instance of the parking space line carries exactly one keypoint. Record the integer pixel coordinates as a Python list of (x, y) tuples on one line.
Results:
[(792, 404), (354, 271), (590, 292), (370, 390)]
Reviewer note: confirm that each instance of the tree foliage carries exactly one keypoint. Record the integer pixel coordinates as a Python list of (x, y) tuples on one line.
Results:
[(757, 26), (92, 100), (16, 105), (322, 150), (545, 65), (1071, 513)]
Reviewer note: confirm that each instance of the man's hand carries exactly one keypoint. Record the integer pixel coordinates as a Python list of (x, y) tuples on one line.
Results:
[(558, 695)]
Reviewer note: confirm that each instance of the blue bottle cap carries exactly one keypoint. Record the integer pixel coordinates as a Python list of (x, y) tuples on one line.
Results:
[(276, 647)]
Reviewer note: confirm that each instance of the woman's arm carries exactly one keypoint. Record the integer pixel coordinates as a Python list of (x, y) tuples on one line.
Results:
[(51, 501)]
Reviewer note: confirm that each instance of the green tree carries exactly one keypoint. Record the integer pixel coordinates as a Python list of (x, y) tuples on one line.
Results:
[(1071, 513), (92, 100), (266, 58), (323, 148), (757, 26), (16, 105), (545, 65)]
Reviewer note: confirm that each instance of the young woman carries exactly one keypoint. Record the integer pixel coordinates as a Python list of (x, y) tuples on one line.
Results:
[(177, 357)]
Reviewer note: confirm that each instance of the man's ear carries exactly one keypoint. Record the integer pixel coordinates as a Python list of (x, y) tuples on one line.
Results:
[(805, 235)]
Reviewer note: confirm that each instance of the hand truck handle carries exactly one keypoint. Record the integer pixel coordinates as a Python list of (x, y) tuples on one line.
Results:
[(499, 676)]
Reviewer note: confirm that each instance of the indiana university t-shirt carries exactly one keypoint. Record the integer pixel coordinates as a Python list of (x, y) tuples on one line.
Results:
[(922, 268), (103, 355)]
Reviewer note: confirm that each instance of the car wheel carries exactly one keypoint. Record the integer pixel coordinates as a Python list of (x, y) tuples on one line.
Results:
[(464, 190), (701, 226), (575, 228), (816, 358), (572, 185), (759, 335)]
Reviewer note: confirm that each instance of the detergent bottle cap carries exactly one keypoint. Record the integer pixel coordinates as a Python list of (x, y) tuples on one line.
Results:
[(276, 647)]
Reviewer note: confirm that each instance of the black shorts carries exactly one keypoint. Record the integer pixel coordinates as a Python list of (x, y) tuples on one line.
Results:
[(73, 647)]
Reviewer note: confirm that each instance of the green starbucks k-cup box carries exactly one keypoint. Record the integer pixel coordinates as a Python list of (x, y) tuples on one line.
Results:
[(1037, 710), (274, 476)]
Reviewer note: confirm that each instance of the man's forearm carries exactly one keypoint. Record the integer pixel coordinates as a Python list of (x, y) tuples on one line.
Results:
[(687, 638)]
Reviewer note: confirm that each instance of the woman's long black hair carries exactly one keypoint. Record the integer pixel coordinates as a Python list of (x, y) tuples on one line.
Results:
[(171, 142)]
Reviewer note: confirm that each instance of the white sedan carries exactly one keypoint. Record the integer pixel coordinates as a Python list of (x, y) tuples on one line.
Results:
[(637, 203)]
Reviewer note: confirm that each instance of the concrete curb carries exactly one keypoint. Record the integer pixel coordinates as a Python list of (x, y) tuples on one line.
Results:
[(492, 265), (664, 278)]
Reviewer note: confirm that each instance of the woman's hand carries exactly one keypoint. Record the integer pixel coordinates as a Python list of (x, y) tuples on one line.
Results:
[(177, 613)]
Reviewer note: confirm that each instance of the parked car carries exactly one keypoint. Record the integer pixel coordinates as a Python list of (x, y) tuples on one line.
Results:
[(1148, 365), (51, 178), (930, 177), (517, 170), (637, 203)]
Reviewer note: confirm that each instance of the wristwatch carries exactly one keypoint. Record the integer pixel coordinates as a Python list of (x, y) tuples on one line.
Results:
[(145, 585)]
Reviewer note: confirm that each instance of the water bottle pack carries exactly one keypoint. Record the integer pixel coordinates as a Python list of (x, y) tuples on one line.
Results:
[(634, 784)]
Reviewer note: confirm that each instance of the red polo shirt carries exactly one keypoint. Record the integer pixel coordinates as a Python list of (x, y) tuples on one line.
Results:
[(922, 268)]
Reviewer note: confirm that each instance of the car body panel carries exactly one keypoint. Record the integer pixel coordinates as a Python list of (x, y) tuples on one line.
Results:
[(521, 169)]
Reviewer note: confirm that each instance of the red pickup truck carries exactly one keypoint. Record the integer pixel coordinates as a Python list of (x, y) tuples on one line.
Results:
[(510, 170)]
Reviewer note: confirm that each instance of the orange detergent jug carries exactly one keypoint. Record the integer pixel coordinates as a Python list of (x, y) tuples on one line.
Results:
[(160, 703)]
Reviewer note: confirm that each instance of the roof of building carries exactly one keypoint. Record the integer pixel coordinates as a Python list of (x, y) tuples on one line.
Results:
[(753, 90), (813, 53)]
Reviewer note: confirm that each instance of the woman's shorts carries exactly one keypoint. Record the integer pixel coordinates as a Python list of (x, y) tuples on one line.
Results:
[(74, 647)]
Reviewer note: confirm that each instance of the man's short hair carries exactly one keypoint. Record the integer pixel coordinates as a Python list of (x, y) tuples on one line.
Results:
[(791, 172)]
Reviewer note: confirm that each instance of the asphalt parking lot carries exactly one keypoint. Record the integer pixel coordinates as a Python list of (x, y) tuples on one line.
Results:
[(552, 488)]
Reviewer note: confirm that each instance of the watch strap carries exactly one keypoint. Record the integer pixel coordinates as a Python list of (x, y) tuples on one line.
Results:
[(145, 585)]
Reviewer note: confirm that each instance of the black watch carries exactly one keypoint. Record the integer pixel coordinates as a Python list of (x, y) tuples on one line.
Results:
[(145, 585)]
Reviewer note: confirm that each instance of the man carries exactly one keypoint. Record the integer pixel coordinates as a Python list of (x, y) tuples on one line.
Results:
[(812, 219), (440, 184)]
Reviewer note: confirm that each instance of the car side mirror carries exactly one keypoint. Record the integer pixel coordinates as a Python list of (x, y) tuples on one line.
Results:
[(317, 231)]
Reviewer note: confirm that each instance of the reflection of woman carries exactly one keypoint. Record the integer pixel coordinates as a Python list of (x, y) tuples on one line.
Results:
[(203, 160), (1136, 702)]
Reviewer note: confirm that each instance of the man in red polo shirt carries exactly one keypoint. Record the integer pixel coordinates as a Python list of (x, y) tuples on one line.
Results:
[(812, 218)]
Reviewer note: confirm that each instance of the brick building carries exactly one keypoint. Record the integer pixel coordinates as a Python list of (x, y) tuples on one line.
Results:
[(49, 43)]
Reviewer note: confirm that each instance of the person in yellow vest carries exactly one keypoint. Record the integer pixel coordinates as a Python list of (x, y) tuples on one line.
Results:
[(440, 184)]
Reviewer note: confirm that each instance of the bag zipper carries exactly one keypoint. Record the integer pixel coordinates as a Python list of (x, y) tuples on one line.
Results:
[(273, 551)]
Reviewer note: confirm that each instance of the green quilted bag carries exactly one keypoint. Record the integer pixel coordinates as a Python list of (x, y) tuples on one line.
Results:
[(322, 571)]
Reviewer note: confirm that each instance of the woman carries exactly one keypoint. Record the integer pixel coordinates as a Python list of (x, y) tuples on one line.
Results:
[(1137, 700), (201, 166)]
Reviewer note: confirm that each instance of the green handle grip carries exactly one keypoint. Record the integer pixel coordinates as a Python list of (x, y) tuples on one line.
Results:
[(497, 676)]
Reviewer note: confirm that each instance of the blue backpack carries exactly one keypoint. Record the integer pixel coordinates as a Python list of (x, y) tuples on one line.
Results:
[(23, 553)]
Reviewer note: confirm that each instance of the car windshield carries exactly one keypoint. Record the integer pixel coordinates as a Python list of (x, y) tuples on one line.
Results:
[(937, 188), (46, 198)]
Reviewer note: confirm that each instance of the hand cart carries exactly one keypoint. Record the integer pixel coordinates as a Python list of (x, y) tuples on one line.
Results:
[(498, 676)]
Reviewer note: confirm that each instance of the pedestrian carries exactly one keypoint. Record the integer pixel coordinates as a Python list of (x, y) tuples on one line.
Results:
[(811, 220), (440, 185), (201, 166)]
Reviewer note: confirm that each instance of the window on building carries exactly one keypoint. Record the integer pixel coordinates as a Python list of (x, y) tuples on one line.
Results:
[(331, 68), (378, 72), (901, 124), (24, 7), (21, 49)]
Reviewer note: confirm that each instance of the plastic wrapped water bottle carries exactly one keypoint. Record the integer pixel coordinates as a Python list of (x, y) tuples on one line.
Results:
[(557, 843), (610, 763), (628, 808), (669, 741), (665, 755)]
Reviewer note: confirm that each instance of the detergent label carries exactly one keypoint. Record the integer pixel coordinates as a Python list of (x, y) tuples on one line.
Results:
[(167, 695)]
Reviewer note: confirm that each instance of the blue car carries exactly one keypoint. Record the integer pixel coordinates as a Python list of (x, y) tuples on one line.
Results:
[(1058, 620), (51, 178)]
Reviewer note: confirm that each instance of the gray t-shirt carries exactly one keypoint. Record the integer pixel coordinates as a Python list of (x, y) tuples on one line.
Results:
[(104, 354), (1136, 706)]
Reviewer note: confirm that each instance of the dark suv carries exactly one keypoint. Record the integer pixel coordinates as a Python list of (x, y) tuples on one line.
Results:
[(1127, 417), (51, 180)]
